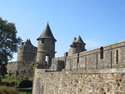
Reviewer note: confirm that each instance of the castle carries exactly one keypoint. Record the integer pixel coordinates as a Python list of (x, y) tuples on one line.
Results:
[(78, 58), (98, 63)]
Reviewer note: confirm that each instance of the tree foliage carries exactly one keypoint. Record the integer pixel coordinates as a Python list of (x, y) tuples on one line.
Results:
[(8, 43)]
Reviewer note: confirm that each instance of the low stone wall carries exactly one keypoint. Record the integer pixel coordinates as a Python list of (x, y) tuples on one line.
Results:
[(58, 63), (12, 67), (22, 69), (107, 81)]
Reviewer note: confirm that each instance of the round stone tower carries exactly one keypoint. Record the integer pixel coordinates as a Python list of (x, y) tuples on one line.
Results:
[(26, 52), (77, 46), (46, 47)]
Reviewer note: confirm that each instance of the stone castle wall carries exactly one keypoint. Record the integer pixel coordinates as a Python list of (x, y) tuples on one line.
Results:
[(107, 81), (12, 67), (22, 69), (113, 57), (58, 63)]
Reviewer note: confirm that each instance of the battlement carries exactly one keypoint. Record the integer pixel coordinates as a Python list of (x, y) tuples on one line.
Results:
[(107, 57)]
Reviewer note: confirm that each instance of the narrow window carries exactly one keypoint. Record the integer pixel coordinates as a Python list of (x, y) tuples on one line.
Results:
[(101, 53), (42, 40), (117, 56), (53, 42)]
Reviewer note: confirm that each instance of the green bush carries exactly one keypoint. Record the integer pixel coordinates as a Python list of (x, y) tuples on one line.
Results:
[(8, 90)]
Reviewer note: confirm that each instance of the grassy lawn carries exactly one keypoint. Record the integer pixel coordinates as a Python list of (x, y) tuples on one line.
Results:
[(23, 92), (11, 79)]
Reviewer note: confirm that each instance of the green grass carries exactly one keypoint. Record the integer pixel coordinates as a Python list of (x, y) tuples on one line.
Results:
[(10, 79), (24, 92), (12, 90), (13, 79), (8, 90)]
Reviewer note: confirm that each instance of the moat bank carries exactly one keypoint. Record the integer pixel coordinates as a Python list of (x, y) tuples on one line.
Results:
[(110, 81)]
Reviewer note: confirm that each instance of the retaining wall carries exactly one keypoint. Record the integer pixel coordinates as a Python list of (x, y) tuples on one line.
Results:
[(107, 81)]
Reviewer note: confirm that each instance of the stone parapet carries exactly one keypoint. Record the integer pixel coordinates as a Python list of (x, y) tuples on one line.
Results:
[(111, 56)]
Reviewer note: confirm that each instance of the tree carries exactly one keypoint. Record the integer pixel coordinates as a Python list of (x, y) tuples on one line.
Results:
[(8, 43)]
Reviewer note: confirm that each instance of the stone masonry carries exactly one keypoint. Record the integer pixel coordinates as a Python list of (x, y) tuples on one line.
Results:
[(98, 71), (27, 52), (46, 48), (23, 67), (113, 57), (90, 82)]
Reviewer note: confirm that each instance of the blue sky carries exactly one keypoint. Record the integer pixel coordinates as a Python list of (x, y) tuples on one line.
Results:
[(99, 22)]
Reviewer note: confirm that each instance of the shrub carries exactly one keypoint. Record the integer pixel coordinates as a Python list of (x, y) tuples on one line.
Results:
[(8, 90)]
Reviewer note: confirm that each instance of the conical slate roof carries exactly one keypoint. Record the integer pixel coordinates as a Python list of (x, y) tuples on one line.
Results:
[(47, 33), (79, 40), (27, 43)]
